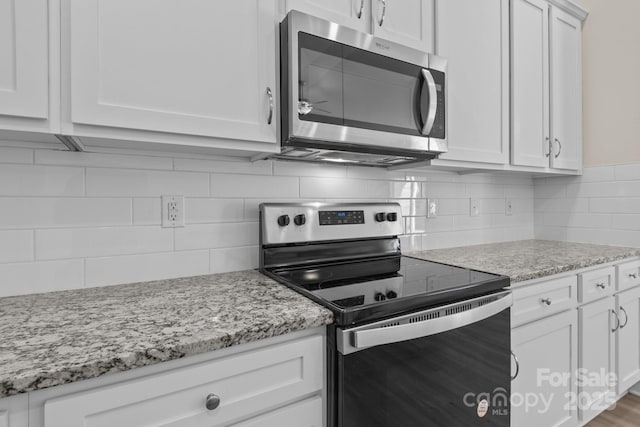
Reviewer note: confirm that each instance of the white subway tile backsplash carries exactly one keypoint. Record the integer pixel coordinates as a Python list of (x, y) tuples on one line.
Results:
[(50, 157), (142, 268), (139, 183), (147, 211), (627, 172), (550, 191), (262, 167), (15, 155), (30, 180), (285, 168), (96, 242), (337, 188), (241, 186), (576, 219), (23, 212), (626, 222), (16, 246), (604, 189), (561, 205), (234, 259), (225, 235), (98, 215), (202, 210), (615, 205), (35, 277)]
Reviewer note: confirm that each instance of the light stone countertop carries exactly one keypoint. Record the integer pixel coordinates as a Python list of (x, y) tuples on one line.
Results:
[(61, 337), (528, 259)]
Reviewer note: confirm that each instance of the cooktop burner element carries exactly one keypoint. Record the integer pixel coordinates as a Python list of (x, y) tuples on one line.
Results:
[(347, 257)]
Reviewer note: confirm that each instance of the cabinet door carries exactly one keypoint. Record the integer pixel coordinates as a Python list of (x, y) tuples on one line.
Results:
[(566, 91), (408, 22), (530, 82), (351, 13), (193, 67), (546, 352), (14, 411), (24, 62), (473, 36), (628, 339), (597, 325)]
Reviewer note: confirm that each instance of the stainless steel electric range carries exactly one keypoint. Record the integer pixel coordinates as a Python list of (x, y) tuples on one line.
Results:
[(414, 343)]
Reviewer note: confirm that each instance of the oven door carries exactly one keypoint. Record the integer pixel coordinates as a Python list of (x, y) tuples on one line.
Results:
[(448, 366), (341, 86)]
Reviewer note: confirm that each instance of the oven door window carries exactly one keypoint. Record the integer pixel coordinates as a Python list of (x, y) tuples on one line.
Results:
[(439, 380), (343, 85)]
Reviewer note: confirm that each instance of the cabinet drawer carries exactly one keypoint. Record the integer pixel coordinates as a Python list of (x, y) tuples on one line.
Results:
[(247, 384), (596, 284), (628, 275), (543, 299), (307, 413)]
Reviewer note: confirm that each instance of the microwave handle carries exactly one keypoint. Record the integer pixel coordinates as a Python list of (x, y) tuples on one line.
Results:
[(433, 101)]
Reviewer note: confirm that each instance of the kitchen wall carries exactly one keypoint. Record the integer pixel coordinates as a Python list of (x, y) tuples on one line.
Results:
[(70, 220), (602, 206)]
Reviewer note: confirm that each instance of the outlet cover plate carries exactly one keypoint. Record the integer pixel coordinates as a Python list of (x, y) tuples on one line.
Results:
[(172, 211), (432, 208), (508, 207)]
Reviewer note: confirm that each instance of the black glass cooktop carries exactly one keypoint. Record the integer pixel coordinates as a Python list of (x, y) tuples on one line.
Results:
[(372, 289)]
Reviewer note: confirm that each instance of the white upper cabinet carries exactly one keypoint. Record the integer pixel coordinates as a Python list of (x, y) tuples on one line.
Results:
[(546, 86), (566, 90), (183, 67), (473, 36), (24, 58), (408, 22), (351, 13), (530, 82)]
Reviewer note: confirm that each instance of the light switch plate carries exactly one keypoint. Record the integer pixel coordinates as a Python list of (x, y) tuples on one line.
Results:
[(474, 207), (432, 208)]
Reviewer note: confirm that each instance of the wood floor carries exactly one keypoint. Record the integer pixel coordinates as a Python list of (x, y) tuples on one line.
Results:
[(625, 414)]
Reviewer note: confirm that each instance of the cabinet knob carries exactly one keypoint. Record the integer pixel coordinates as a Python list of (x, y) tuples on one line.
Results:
[(601, 285), (213, 401), (515, 359), (626, 317), (633, 275), (617, 321), (546, 301), (548, 141), (270, 97)]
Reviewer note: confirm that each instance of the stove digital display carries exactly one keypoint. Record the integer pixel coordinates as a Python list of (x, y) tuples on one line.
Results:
[(341, 217)]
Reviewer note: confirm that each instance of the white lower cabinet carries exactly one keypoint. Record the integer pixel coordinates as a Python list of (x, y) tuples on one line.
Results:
[(14, 411), (597, 325), (263, 387), (628, 340), (544, 387)]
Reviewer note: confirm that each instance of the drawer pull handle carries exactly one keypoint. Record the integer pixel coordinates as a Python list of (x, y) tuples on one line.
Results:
[(601, 285), (626, 317), (515, 359), (633, 275), (617, 321), (546, 301), (213, 401)]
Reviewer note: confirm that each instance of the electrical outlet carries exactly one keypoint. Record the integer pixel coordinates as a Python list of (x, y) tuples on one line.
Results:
[(508, 207), (172, 211), (474, 207), (432, 208)]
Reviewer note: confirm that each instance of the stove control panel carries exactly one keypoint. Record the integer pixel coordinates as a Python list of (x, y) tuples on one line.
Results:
[(283, 223)]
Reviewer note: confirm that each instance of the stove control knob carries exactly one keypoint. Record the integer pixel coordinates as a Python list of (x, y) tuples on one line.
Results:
[(392, 294), (283, 220), (379, 296), (380, 217), (392, 216), (299, 219)]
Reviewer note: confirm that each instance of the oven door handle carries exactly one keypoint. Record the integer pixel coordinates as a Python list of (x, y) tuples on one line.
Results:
[(366, 338)]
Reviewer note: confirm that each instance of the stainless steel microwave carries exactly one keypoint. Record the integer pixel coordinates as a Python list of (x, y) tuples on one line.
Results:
[(349, 97)]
